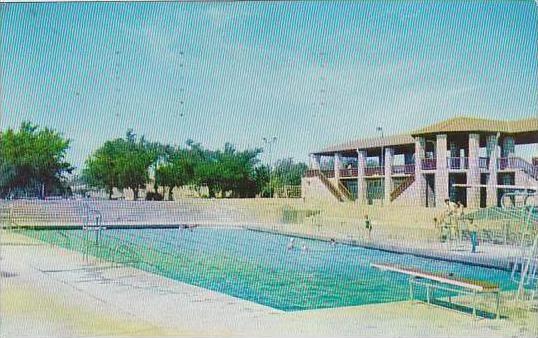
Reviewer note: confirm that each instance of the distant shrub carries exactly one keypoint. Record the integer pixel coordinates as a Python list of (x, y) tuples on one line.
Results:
[(294, 216), (154, 196)]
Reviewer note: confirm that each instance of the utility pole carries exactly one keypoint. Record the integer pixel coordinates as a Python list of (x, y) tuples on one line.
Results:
[(380, 129), (269, 142)]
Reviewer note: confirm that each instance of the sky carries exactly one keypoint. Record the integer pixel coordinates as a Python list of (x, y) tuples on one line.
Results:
[(310, 74)]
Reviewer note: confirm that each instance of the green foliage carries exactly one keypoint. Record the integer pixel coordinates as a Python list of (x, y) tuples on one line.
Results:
[(32, 161), (122, 163), (284, 172), (227, 171), (288, 172), (125, 163), (178, 170)]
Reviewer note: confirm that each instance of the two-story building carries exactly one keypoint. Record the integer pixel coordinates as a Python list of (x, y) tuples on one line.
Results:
[(463, 159)]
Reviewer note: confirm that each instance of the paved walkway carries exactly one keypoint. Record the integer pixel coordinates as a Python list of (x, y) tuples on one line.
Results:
[(49, 291)]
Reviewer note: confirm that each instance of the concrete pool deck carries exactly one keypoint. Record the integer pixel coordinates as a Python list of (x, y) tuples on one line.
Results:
[(488, 255), (49, 291)]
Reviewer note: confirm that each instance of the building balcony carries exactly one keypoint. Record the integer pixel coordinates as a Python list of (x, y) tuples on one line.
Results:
[(483, 163), (505, 163), (429, 164), (352, 172), (316, 173), (328, 173), (517, 163), (374, 171), (457, 163), (406, 169)]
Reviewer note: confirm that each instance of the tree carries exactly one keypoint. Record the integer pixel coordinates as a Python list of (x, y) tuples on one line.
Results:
[(284, 172), (32, 161), (101, 169), (228, 171), (288, 172), (176, 172), (122, 163)]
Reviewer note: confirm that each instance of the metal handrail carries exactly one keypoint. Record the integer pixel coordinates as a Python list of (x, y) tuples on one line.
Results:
[(352, 172), (407, 169), (374, 171), (429, 164), (517, 163), (345, 191), (461, 163), (402, 187)]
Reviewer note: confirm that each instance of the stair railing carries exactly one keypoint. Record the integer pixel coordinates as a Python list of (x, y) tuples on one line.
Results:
[(402, 187)]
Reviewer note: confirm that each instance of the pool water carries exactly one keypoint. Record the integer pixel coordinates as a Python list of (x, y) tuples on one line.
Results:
[(258, 267)]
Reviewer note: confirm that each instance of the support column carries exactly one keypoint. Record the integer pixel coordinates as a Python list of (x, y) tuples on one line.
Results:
[(493, 154), (337, 166), (441, 172), (508, 149), (454, 150), (420, 180), (408, 158), (473, 174), (389, 161), (314, 162), (361, 182)]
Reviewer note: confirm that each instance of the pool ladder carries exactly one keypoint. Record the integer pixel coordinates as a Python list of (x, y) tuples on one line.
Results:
[(92, 221)]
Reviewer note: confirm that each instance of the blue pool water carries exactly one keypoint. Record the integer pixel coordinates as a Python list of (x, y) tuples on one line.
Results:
[(258, 267)]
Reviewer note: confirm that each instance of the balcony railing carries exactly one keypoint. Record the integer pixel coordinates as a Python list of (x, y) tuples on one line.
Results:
[(315, 173), (504, 163), (483, 162), (374, 171), (328, 173), (405, 169), (429, 164), (352, 172), (457, 163)]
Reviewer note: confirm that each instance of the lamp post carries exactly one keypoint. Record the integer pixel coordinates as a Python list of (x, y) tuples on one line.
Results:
[(269, 142), (382, 157), (379, 129)]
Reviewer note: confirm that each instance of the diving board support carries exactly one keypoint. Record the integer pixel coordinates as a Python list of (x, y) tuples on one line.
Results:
[(467, 287), (498, 186)]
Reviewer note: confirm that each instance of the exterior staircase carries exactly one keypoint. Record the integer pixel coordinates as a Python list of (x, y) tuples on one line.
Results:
[(402, 187), (340, 192), (518, 163)]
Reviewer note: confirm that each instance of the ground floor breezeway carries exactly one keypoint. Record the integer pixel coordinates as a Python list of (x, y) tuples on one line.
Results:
[(375, 189)]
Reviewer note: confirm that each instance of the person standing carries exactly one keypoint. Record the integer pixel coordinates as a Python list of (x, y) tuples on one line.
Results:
[(473, 232), (368, 226), (449, 217), (460, 220)]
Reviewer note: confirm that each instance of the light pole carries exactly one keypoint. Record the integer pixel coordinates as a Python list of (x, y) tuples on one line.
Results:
[(379, 129), (269, 142), (382, 157)]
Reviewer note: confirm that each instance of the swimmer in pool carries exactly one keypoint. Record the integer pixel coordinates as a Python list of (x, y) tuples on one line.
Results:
[(291, 244)]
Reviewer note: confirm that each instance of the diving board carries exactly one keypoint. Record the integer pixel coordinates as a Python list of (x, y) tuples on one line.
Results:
[(498, 186), (474, 287)]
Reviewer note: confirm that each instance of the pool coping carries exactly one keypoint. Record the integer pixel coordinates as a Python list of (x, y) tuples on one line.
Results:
[(485, 262), (481, 261)]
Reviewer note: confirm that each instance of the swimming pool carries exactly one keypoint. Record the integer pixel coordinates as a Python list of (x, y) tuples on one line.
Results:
[(258, 267)]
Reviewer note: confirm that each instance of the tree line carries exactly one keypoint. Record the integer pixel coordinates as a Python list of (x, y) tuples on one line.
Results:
[(33, 163)]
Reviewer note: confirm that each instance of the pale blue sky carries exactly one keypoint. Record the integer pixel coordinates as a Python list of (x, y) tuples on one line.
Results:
[(311, 74)]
